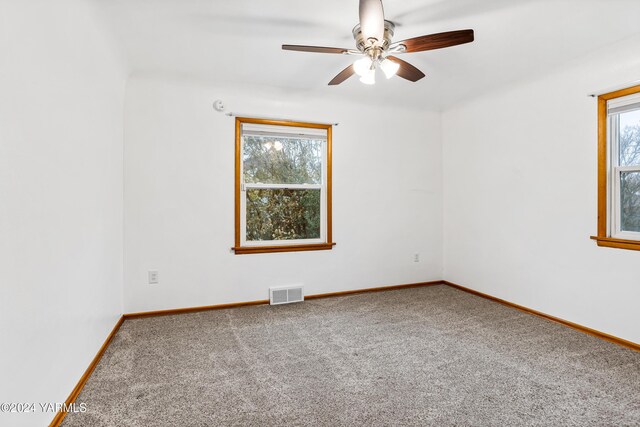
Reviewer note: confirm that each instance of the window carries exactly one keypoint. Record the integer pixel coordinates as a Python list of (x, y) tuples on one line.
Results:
[(283, 186), (619, 169)]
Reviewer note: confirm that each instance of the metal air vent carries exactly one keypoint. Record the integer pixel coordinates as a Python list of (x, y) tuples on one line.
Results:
[(286, 295)]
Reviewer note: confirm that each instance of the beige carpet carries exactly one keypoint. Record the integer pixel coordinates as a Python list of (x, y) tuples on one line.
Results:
[(431, 356)]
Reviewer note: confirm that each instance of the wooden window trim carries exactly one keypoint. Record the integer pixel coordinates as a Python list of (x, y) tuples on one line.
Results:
[(603, 239), (241, 250), (609, 242)]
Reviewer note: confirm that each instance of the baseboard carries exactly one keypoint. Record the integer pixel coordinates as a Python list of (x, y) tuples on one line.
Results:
[(266, 301), (185, 310), (57, 420), (628, 344), (378, 289)]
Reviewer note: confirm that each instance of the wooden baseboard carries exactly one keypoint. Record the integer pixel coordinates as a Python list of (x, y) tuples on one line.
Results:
[(192, 309), (628, 344), (266, 301), (379, 289), (57, 420)]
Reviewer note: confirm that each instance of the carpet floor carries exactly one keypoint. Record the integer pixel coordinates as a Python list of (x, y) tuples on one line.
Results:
[(430, 356)]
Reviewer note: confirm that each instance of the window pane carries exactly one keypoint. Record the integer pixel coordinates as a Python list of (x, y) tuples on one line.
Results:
[(630, 201), (630, 138), (283, 214), (282, 160)]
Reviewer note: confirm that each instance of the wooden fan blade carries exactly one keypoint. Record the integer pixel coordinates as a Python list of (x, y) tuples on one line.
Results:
[(315, 49), (342, 75), (372, 19), (436, 41), (406, 70)]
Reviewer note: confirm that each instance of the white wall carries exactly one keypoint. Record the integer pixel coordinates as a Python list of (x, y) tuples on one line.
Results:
[(179, 197), (520, 197), (61, 102)]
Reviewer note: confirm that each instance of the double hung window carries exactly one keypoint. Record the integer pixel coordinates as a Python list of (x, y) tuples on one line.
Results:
[(283, 186), (619, 169)]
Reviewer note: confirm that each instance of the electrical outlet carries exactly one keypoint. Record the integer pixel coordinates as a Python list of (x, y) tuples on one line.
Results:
[(153, 277), (416, 257)]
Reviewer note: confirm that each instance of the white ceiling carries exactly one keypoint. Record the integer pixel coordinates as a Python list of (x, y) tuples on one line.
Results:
[(238, 42)]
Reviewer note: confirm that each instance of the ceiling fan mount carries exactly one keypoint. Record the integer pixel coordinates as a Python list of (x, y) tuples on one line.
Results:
[(373, 37), (364, 44)]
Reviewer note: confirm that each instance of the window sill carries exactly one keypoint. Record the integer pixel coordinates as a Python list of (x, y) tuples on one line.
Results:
[(242, 250), (609, 242)]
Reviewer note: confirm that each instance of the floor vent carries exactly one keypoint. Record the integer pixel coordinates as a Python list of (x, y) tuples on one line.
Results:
[(285, 295)]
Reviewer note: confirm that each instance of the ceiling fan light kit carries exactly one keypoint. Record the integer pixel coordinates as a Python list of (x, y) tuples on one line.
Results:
[(375, 54), (373, 37)]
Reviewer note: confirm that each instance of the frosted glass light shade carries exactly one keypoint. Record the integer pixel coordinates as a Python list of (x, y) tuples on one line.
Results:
[(362, 66), (369, 78), (389, 67)]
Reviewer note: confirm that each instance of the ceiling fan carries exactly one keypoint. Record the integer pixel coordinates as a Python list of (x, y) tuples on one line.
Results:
[(373, 42)]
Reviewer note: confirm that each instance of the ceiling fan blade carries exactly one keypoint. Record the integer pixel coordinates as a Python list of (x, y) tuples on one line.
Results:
[(436, 41), (372, 19), (315, 49), (406, 70), (342, 75)]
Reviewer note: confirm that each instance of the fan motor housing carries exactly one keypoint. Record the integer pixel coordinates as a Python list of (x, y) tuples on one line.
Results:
[(364, 45)]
